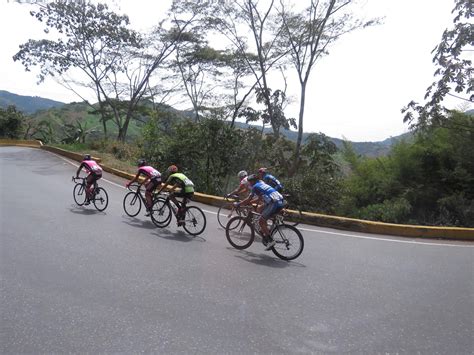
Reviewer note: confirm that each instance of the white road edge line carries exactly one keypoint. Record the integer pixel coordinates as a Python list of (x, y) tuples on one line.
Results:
[(316, 230)]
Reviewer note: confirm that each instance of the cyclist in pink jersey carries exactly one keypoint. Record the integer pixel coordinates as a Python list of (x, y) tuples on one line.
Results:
[(152, 180), (94, 173)]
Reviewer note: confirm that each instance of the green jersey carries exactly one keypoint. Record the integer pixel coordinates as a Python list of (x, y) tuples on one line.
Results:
[(183, 182)]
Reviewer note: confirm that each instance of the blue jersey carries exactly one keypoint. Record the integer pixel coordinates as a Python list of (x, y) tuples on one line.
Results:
[(272, 181), (268, 193)]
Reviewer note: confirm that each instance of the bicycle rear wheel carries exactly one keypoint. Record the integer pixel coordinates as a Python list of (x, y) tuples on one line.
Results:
[(239, 233), (79, 194), (132, 204), (293, 217), (194, 220), (161, 213), (101, 199), (289, 242)]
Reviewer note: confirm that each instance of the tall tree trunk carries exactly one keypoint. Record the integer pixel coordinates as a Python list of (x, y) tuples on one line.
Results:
[(299, 140)]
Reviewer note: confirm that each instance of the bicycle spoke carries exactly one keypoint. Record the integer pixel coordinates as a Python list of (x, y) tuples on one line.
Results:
[(194, 220), (239, 234), (289, 242)]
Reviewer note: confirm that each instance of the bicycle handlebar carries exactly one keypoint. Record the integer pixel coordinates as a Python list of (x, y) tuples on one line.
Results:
[(135, 184)]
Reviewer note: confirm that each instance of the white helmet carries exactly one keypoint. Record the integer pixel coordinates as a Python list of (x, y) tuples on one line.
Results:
[(242, 174)]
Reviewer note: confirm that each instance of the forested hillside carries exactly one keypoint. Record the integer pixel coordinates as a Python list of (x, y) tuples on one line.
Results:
[(26, 104), (61, 116)]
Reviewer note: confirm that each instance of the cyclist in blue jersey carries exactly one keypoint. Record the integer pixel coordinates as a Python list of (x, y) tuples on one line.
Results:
[(270, 179), (273, 203)]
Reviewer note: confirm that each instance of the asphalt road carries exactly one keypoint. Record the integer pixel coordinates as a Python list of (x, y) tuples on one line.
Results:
[(77, 280)]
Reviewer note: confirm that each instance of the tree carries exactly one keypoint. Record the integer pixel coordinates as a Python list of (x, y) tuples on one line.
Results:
[(142, 63), (453, 73), (427, 181), (11, 122), (89, 38), (198, 66), (307, 36)]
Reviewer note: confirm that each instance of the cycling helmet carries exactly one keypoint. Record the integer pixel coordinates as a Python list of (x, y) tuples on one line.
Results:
[(252, 178), (262, 170), (87, 157), (172, 169), (141, 162), (242, 174)]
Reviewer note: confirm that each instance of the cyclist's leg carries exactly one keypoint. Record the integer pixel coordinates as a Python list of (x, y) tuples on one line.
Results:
[(268, 212), (149, 187), (89, 184), (182, 207), (173, 198)]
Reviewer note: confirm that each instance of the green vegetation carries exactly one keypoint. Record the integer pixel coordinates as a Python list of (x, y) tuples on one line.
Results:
[(426, 179), (11, 122)]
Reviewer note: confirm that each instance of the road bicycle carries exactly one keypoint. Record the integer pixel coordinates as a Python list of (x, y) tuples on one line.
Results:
[(194, 221), (291, 213), (289, 242), (99, 195), (133, 200)]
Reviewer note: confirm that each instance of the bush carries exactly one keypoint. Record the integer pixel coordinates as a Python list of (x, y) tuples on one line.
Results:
[(391, 211), (11, 122)]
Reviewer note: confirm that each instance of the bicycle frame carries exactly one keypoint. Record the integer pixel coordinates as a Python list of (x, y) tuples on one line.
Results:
[(168, 202), (254, 219), (138, 192)]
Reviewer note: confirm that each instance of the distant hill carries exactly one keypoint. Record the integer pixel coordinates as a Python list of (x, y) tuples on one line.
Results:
[(60, 113), (369, 149), (27, 104)]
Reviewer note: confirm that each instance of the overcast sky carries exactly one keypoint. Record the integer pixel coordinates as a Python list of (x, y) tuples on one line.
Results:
[(356, 92)]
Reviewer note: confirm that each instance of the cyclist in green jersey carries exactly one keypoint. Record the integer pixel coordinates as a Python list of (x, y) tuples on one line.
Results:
[(186, 189)]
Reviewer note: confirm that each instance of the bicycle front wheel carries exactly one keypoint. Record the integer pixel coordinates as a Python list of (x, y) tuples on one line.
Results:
[(289, 242), (194, 220), (79, 194), (132, 204), (161, 213), (101, 199), (224, 214), (239, 233)]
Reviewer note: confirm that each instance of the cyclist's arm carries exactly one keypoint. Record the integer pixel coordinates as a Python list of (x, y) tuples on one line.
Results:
[(134, 179), (247, 200), (238, 190), (174, 187), (79, 169), (164, 185)]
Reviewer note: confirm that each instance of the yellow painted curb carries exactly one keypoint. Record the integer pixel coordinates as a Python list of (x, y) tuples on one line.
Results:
[(401, 230), (21, 143), (71, 155), (343, 223), (364, 226)]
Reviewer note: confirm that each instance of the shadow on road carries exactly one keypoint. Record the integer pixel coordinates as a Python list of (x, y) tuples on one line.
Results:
[(136, 222), (179, 235), (85, 210), (265, 259)]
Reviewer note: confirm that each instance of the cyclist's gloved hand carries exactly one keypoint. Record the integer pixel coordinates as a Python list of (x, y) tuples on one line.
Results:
[(226, 195)]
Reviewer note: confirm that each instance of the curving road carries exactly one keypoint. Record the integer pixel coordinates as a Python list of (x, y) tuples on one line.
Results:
[(76, 280)]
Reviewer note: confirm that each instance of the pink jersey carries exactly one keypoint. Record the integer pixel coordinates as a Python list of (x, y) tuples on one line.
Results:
[(149, 172), (92, 166)]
